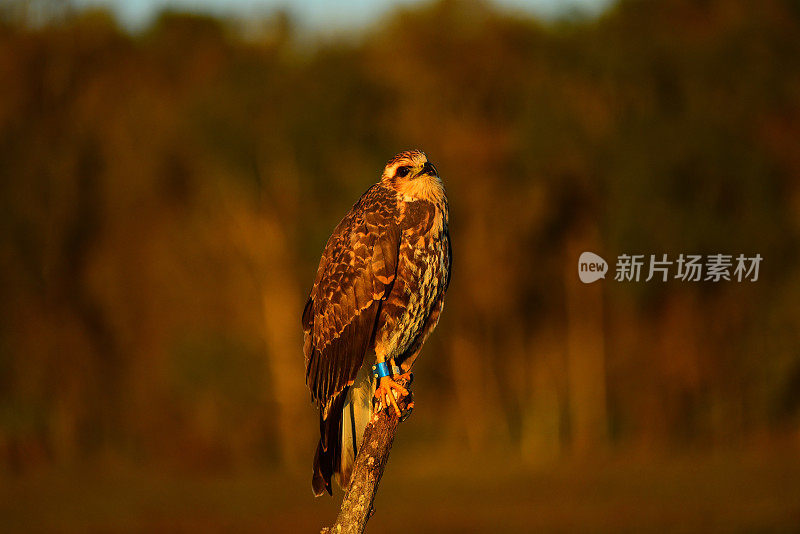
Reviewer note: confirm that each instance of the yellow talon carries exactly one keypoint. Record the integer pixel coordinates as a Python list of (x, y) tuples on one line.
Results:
[(388, 393)]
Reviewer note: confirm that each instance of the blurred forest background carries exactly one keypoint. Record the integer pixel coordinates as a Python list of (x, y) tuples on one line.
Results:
[(165, 196)]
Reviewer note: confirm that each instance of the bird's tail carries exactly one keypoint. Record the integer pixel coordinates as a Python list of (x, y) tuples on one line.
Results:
[(328, 456), (355, 416)]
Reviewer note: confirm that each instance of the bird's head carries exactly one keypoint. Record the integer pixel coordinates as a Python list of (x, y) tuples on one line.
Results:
[(413, 177)]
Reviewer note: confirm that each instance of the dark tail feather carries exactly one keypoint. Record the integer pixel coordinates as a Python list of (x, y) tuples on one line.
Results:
[(321, 482), (328, 457)]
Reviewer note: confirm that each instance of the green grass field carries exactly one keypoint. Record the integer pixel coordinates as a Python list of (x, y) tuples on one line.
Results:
[(735, 492)]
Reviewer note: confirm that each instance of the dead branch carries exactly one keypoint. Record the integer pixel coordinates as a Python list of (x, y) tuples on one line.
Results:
[(369, 465)]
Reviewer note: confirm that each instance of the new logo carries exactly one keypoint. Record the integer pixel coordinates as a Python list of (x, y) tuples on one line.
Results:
[(591, 267)]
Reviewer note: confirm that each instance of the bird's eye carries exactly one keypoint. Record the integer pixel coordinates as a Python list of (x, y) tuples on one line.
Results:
[(401, 171)]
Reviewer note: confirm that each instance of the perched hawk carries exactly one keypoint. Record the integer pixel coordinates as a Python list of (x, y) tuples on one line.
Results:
[(377, 297)]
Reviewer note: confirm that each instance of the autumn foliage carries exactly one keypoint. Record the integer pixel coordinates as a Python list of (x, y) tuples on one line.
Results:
[(165, 194)]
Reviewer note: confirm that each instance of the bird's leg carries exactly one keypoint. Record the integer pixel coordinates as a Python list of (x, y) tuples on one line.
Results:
[(407, 376), (389, 391)]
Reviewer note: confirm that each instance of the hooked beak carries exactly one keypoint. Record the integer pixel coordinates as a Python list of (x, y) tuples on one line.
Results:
[(427, 169)]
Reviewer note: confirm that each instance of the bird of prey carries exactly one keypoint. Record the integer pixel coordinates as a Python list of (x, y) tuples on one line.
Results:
[(377, 296)]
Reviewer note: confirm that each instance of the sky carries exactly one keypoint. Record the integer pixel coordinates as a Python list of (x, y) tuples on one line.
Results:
[(317, 14)]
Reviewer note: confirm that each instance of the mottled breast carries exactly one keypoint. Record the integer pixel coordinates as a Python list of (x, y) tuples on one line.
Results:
[(421, 273)]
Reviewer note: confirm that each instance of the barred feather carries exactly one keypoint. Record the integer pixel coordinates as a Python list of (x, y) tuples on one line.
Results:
[(380, 286)]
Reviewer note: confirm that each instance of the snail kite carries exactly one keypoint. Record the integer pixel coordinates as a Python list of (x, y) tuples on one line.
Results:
[(377, 297)]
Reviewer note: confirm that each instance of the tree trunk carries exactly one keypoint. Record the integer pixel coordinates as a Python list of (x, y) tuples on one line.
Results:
[(586, 367), (371, 461)]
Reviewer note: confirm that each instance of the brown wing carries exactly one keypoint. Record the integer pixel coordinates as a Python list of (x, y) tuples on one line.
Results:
[(355, 274)]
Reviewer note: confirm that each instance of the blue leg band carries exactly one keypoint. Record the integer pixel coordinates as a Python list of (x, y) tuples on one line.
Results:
[(381, 369)]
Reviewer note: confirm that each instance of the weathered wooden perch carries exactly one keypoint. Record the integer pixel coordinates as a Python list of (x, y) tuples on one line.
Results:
[(369, 465)]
